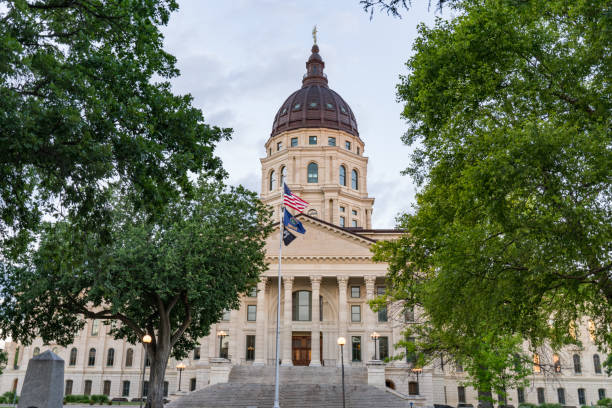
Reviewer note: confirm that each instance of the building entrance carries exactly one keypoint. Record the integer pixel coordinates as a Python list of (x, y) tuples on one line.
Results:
[(301, 350)]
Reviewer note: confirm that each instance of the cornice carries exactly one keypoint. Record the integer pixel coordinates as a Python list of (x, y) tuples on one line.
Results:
[(321, 259)]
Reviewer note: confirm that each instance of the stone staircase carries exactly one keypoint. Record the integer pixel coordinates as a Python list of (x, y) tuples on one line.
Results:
[(298, 375), (320, 387)]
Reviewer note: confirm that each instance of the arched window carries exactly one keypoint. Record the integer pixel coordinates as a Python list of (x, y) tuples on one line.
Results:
[(556, 363), (313, 173), (354, 180), (342, 176), (283, 176), (272, 180), (68, 389), (577, 367), (597, 363), (129, 357), (36, 351), (302, 302), (91, 361), (312, 212), (73, 357), (110, 357)]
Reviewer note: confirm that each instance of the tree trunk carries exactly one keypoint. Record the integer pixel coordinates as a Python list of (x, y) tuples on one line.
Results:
[(159, 362)]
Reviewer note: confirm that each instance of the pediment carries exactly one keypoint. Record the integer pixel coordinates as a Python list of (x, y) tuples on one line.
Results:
[(321, 240)]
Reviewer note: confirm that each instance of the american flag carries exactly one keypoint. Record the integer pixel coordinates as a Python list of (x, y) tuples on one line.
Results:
[(293, 201)]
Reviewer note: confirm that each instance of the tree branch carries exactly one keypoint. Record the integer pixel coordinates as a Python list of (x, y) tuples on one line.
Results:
[(179, 332)]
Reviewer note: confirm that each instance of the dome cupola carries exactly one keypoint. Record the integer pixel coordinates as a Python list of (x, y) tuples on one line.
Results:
[(315, 105)]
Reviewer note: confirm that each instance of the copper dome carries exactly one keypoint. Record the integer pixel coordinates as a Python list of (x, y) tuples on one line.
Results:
[(314, 105)]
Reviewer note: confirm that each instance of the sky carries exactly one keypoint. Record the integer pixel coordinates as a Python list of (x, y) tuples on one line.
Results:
[(240, 59)]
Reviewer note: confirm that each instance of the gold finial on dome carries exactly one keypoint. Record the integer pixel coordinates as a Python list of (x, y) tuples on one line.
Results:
[(314, 34)]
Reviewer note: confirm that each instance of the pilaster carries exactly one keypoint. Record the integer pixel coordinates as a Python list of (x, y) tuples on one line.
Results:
[(287, 322), (342, 316), (315, 344), (260, 341)]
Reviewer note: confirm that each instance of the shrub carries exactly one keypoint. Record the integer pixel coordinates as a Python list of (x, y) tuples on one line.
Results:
[(605, 402), (527, 405), (550, 405), (77, 398), (101, 399), (7, 397)]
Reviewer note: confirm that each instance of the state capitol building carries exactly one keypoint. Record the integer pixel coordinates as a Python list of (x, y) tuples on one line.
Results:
[(328, 278)]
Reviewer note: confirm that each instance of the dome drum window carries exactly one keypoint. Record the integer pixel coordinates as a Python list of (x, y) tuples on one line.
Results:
[(354, 180), (313, 173), (296, 106), (312, 105)]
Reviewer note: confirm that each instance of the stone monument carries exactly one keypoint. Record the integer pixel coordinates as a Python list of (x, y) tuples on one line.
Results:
[(43, 386)]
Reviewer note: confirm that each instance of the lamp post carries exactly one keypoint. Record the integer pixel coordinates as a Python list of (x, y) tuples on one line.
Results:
[(417, 371), (146, 339), (341, 343), (375, 337), (180, 367), (221, 335)]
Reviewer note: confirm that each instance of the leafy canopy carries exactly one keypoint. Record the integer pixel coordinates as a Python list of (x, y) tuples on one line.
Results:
[(86, 107), (509, 112)]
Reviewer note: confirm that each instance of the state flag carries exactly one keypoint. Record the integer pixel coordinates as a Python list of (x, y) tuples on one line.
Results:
[(292, 223)]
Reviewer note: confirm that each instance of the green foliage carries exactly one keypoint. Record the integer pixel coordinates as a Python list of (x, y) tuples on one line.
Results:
[(527, 405), (511, 236), (99, 398), (77, 398), (86, 105), (3, 360), (8, 398), (550, 405), (605, 402), (170, 277)]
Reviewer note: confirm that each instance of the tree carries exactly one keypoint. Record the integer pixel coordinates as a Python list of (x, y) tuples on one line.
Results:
[(81, 114), (511, 235), (170, 277)]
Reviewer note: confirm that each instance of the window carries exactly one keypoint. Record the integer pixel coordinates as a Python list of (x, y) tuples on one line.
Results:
[(251, 313), (320, 308), (596, 363), (196, 353), (356, 292), (382, 312), (355, 313), (536, 364), (272, 180), (91, 361), (312, 140), (501, 399), (413, 388), (250, 347), (302, 306), (313, 173), (541, 399), (225, 317), (342, 221), (125, 392), (342, 177), (36, 351), (601, 393), (68, 389), (87, 387), (383, 347), (354, 223), (347, 144), (129, 357), (192, 384), (279, 146), (556, 363), (356, 348), (461, 394), (145, 389), (166, 388), (577, 367), (358, 150), (270, 152), (110, 357), (354, 180), (106, 388), (411, 356), (331, 141), (252, 292), (561, 395), (95, 327), (294, 141), (341, 209), (458, 367), (520, 394), (16, 359), (354, 212), (581, 396), (409, 314), (73, 357), (296, 106), (283, 176)]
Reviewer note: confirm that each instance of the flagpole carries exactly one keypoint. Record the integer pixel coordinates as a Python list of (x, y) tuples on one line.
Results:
[(280, 250)]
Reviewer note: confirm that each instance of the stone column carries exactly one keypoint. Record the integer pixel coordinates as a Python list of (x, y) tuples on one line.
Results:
[(315, 345), (369, 319), (287, 323), (260, 341), (343, 319)]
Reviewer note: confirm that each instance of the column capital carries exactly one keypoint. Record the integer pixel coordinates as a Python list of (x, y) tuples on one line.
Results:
[(261, 285), (369, 281), (288, 280), (342, 280), (315, 280)]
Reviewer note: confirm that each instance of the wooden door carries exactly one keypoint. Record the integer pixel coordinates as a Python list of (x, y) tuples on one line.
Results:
[(301, 350)]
